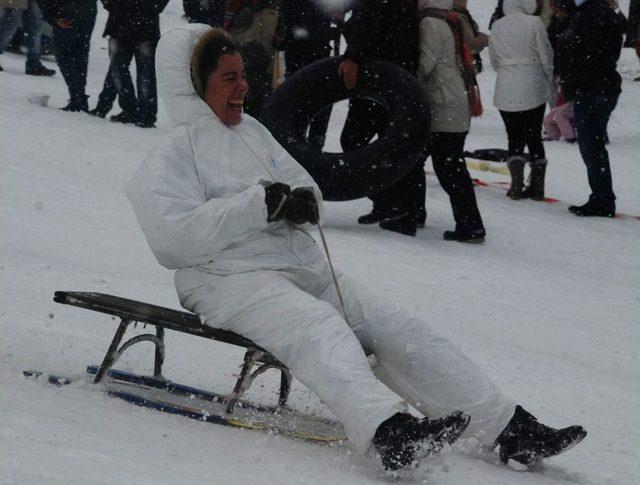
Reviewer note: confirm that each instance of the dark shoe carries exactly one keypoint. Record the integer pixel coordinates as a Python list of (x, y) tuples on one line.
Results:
[(99, 111), (535, 190), (145, 124), (38, 70), (405, 224), (1, 69), (594, 209), (77, 104), (528, 441), (377, 215), (403, 439), (124, 117), (421, 219), (473, 237), (516, 169)]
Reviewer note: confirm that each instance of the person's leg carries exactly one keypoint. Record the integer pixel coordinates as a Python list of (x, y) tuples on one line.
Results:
[(106, 98), (9, 23), (120, 54), (592, 112), (145, 53), (33, 28), (409, 194), (447, 155), (427, 370), (537, 157), (82, 43), (516, 161), (310, 337)]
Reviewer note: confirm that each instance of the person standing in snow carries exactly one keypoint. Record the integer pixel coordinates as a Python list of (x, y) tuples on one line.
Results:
[(304, 32), (446, 69), (221, 202), (383, 31), (590, 49), (11, 11), (73, 22), (522, 56), (133, 29)]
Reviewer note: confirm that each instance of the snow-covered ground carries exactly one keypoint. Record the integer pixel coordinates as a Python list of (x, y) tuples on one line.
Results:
[(549, 306)]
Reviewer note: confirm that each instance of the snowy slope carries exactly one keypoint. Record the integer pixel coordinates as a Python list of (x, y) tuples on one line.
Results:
[(549, 306)]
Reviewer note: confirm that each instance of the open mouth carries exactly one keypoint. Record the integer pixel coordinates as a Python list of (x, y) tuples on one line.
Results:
[(236, 104)]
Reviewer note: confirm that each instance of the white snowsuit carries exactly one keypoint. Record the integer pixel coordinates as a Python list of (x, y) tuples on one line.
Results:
[(199, 198)]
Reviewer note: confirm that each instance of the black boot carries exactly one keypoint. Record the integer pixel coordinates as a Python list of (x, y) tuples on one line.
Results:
[(516, 169), (403, 439), (38, 70), (124, 117), (100, 111), (594, 208), (377, 215), (405, 224), (535, 190), (528, 441), (77, 103)]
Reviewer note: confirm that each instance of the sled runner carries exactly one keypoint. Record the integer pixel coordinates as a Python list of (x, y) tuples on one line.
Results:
[(133, 312), (170, 397)]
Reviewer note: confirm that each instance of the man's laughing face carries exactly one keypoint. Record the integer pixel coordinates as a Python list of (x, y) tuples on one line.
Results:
[(226, 89)]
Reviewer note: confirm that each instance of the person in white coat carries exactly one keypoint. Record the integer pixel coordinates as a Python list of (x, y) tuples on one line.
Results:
[(221, 202), (520, 53)]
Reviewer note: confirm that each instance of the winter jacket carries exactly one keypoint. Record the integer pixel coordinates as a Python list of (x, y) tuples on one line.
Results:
[(304, 25), (134, 21), (199, 196), (52, 10), (589, 50), (438, 69), (384, 30), (522, 56)]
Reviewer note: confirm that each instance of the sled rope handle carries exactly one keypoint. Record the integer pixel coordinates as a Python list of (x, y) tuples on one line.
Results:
[(333, 273)]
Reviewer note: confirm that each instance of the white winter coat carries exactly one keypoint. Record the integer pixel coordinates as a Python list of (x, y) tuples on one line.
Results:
[(522, 56), (199, 196), (439, 71)]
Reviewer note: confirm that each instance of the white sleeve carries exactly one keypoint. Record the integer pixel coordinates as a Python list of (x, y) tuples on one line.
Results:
[(182, 227)]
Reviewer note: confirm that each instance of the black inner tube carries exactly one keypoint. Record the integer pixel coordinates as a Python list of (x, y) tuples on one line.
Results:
[(365, 171)]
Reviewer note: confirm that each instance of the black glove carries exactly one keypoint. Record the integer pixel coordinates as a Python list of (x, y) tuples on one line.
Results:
[(302, 206), (276, 198)]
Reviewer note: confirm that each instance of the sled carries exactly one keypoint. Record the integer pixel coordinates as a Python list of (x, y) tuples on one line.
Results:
[(132, 312)]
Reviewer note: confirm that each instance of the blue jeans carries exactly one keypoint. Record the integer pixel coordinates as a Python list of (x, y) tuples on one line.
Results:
[(72, 45), (592, 111), (32, 24), (145, 105)]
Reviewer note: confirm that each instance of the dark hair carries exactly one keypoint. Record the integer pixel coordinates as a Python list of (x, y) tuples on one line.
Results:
[(204, 60)]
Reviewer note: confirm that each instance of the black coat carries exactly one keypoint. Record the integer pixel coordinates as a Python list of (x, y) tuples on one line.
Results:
[(589, 50), (134, 21), (52, 9), (384, 30), (304, 26)]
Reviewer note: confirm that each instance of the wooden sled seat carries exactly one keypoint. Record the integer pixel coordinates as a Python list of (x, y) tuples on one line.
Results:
[(132, 311)]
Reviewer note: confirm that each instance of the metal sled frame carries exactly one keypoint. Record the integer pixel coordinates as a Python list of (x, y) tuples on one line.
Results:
[(134, 312)]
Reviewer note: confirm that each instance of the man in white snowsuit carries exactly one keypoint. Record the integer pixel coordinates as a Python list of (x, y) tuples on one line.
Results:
[(221, 202)]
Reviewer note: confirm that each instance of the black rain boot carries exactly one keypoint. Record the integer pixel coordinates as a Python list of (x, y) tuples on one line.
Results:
[(535, 190), (403, 439), (405, 224), (516, 169), (528, 441)]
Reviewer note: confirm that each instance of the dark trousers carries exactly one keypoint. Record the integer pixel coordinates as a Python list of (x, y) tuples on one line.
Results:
[(144, 106), (365, 120), (592, 111), (294, 61), (72, 46), (108, 94), (447, 156), (524, 129)]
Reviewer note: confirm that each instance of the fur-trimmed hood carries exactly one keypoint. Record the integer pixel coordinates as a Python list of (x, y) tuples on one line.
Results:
[(173, 64)]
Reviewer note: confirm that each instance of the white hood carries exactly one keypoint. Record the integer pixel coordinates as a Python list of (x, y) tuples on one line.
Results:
[(441, 4), (520, 6), (173, 65)]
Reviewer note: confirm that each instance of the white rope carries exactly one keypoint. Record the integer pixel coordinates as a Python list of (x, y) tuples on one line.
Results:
[(333, 273)]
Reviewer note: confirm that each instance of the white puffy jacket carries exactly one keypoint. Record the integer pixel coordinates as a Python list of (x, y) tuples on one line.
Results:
[(522, 56), (199, 196)]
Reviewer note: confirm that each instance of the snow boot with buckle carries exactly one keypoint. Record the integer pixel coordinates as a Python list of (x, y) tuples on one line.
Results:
[(535, 189), (528, 441), (403, 440), (516, 169)]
